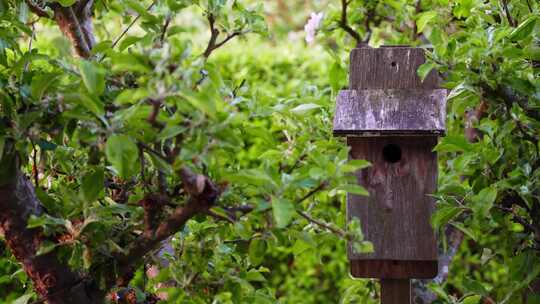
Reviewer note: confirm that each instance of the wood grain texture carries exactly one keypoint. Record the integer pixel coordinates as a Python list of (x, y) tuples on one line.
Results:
[(393, 269), (384, 112), (395, 291), (396, 215), (390, 68)]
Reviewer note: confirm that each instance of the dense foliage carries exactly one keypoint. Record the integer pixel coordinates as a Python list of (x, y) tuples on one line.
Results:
[(184, 148)]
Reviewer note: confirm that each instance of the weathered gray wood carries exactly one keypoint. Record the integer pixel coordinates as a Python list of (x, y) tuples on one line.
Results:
[(396, 215), (389, 68), (378, 111), (395, 291)]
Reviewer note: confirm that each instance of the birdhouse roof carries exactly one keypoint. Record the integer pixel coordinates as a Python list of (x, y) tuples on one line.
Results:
[(375, 112)]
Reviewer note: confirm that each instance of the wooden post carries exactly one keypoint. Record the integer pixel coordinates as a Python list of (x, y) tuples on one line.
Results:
[(395, 291)]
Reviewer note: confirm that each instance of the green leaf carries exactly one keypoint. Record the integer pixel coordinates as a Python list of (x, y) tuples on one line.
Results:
[(123, 154), (283, 211), (203, 102), (465, 230), (472, 300), (424, 19), (255, 276), (40, 84), (257, 249), (23, 299), (474, 286), (363, 247), (93, 77), (45, 220), (91, 103), (46, 145), (444, 215), (355, 165), (256, 177), (454, 143), (305, 108), (483, 201), (337, 76), (424, 70), (66, 3), (93, 185), (524, 30), (354, 189), (46, 247), (129, 40)]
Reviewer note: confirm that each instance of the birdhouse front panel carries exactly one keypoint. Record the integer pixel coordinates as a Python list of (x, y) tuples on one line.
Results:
[(396, 215)]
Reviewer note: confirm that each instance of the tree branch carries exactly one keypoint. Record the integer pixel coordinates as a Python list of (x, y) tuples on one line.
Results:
[(69, 24), (214, 33), (124, 32), (343, 234), (511, 21), (203, 195), (36, 9), (344, 23), (53, 280)]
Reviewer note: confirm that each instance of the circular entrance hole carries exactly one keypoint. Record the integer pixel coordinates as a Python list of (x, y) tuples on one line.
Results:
[(391, 153), (393, 63)]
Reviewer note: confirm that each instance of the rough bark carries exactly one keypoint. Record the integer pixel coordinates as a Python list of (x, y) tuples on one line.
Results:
[(53, 280), (74, 21)]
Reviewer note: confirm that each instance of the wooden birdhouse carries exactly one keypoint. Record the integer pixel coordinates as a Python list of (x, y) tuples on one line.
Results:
[(393, 119)]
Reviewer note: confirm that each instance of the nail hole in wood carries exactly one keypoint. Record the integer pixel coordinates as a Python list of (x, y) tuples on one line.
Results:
[(393, 63), (392, 153)]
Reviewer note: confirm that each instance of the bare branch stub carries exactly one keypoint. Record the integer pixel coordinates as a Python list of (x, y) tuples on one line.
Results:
[(344, 23)]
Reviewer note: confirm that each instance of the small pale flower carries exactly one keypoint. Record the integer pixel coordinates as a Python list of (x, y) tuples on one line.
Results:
[(312, 25)]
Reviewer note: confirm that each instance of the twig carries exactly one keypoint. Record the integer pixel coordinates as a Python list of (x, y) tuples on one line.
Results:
[(124, 32), (417, 9), (320, 223), (35, 166), (220, 217), (164, 29), (214, 33), (156, 153), (529, 227), (507, 13), (32, 37), (235, 90), (344, 23), (312, 192), (343, 234), (229, 37), (36, 9), (530, 7)]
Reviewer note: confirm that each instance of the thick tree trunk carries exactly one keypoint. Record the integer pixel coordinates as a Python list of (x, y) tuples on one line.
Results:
[(53, 280)]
